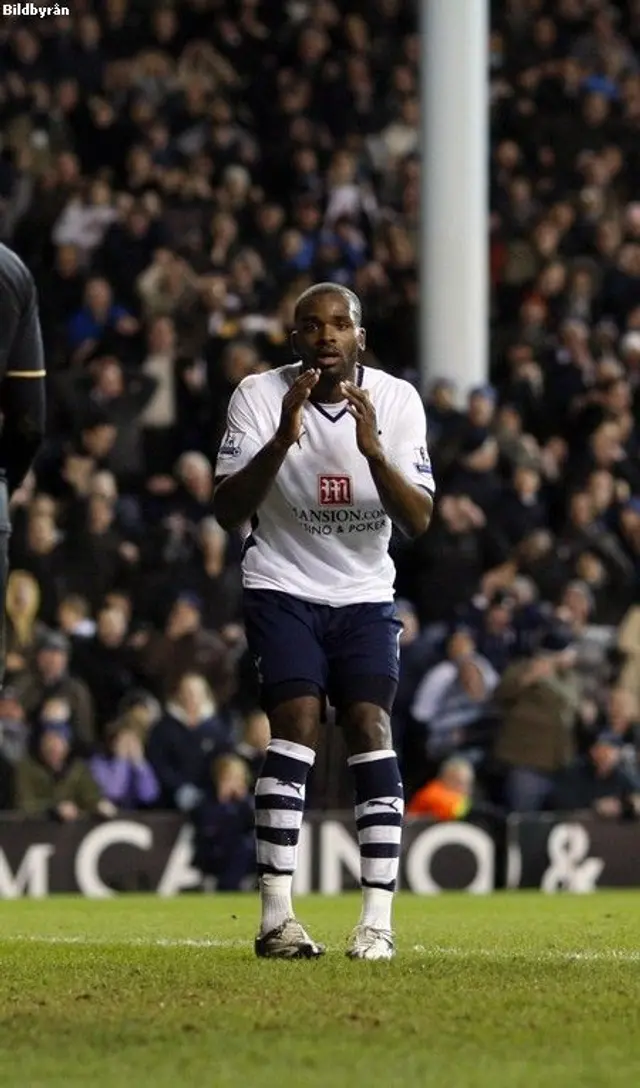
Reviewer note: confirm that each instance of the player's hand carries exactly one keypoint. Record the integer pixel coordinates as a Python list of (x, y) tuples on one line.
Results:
[(542, 668), (293, 402), (161, 485), (106, 809), (127, 325), (195, 376), (129, 552), (472, 680), (364, 413), (16, 662), (623, 491), (609, 807), (233, 634)]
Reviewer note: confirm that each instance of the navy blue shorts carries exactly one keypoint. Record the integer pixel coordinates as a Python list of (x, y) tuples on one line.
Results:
[(350, 654)]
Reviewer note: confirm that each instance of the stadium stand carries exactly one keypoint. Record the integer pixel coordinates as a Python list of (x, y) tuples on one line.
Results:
[(175, 175)]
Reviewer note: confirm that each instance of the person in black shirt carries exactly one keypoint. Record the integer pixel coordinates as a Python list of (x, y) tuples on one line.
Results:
[(599, 780), (22, 395)]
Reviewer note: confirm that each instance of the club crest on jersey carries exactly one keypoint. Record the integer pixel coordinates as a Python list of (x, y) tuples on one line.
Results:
[(334, 491), (422, 461), (231, 444)]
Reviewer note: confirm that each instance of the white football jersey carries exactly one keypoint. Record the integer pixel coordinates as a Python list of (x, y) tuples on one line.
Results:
[(322, 534)]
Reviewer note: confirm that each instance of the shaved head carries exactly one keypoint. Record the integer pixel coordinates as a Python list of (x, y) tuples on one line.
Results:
[(351, 299)]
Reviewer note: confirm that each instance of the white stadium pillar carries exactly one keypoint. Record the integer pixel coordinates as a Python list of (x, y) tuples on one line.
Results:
[(454, 310)]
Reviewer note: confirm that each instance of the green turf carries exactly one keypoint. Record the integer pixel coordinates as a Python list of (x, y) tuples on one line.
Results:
[(484, 994)]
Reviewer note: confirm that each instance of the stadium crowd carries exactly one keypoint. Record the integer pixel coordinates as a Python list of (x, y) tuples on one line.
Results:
[(175, 175)]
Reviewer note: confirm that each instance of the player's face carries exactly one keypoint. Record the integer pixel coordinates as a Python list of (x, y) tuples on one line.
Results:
[(327, 337)]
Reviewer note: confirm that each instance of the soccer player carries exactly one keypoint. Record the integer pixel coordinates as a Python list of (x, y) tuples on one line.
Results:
[(22, 395), (320, 457)]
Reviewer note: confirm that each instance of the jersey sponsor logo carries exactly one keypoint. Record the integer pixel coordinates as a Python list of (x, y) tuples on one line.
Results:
[(231, 444), (334, 491), (340, 520), (422, 461)]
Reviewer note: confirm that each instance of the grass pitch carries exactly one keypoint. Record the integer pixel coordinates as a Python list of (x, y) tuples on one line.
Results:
[(511, 991)]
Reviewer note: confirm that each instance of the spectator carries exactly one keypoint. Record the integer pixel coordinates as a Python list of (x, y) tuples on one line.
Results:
[(475, 473), (159, 417), (99, 323), (14, 740), (493, 625), (540, 559), (481, 407), (74, 617), (139, 712), (591, 643), (599, 781), (442, 416), (538, 701), (195, 487), (211, 580), (43, 557), (184, 646), (84, 220), (451, 702), (522, 510), (183, 743), (457, 551), (619, 716), (54, 783), (23, 627), (224, 844), (105, 664), (449, 796), (97, 555), (122, 773), (120, 398), (49, 678)]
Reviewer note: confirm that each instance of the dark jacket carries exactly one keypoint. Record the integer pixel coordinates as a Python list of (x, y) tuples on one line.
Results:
[(182, 755), (163, 661), (39, 790), (579, 787), (537, 720)]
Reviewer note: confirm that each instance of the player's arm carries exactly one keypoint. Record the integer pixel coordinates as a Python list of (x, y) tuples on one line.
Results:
[(23, 396), (236, 498), (401, 472), (238, 495), (409, 506)]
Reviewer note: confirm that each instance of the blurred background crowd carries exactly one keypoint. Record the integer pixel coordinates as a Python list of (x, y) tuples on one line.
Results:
[(175, 175)]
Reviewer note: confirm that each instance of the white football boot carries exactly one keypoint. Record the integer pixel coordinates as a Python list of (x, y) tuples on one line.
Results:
[(367, 943), (290, 941)]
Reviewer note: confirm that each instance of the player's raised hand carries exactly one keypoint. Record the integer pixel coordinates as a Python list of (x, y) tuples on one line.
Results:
[(364, 413), (293, 403)]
